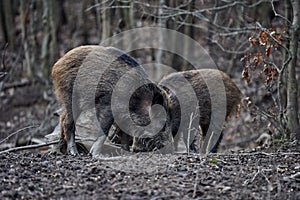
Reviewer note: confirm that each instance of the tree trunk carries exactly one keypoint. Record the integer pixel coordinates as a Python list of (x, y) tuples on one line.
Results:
[(98, 19), (33, 20), (2, 24), (292, 88), (8, 24), (28, 66), (53, 22), (106, 23), (84, 21), (188, 31), (175, 60), (46, 40), (159, 51), (49, 46), (126, 23)]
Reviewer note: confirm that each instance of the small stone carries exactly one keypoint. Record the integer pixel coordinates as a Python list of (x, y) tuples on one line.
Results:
[(59, 162)]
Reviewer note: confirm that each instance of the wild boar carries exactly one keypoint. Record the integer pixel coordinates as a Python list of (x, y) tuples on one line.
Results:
[(192, 89), (88, 77)]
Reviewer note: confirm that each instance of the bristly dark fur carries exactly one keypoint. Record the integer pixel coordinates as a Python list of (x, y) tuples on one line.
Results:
[(94, 61), (196, 78)]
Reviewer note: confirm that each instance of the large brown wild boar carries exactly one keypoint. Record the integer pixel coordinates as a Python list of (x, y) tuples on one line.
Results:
[(86, 77), (190, 87)]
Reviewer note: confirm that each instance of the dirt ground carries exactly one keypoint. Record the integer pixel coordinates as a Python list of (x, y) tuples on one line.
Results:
[(251, 175)]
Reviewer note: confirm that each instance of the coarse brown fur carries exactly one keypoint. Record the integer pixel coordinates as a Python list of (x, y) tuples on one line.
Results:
[(175, 83), (86, 76)]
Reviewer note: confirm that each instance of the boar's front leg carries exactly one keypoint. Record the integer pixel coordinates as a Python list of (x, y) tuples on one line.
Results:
[(106, 121), (97, 147)]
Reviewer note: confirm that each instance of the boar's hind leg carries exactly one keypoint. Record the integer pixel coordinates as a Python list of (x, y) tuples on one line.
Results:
[(62, 145), (69, 132)]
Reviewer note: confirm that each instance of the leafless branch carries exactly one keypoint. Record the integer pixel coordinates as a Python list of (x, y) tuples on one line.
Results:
[(270, 117), (232, 4), (3, 56), (16, 84), (102, 4), (279, 15), (27, 147), (2, 75), (196, 184), (18, 131), (230, 51), (34, 146)]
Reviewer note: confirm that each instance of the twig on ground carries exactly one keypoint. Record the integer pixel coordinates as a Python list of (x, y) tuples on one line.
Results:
[(17, 84), (18, 131), (33, 146), (150, 155), (28, 147), (196, 184), (270, 187)]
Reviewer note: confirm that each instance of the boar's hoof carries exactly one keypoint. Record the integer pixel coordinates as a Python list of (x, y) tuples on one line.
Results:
[(73, 150), (72, 145), (98, 146)]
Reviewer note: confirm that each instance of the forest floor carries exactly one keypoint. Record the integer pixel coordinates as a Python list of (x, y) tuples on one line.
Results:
[(270, 173), (255, 175)]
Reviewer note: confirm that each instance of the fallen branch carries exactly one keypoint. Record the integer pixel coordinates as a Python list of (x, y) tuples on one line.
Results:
[(17, 84), (28, 147), (196, 185), (18, 131), (2, 75), (34, 146)]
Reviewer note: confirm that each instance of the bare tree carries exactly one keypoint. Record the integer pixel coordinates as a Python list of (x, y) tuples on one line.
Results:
[(159, 53), (49, 46), (27, 63), (292, 87), (106, 20), (7, 21)]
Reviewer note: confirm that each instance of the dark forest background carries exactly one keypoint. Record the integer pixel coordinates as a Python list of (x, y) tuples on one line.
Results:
[(255, 42)]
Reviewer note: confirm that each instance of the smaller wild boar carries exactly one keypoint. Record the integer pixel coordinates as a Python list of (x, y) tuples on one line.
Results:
[(176, 86), (86, 77)]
